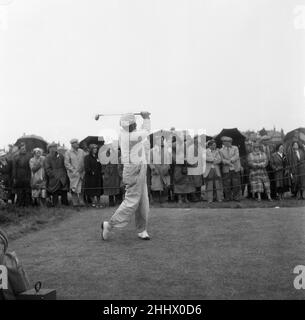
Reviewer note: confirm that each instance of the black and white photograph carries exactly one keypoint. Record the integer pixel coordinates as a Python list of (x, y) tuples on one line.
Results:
[(152, 151)]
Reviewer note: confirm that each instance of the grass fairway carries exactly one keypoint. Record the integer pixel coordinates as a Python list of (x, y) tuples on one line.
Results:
[(194, 253)]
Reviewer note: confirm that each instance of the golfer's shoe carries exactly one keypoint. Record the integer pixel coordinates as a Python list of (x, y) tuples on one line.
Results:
[(144, 235), (105, 230)]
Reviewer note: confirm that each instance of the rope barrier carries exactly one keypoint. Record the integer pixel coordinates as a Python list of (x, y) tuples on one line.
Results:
[(170, 185)]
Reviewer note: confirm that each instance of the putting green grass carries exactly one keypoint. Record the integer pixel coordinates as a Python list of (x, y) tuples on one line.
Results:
[(194, 253)]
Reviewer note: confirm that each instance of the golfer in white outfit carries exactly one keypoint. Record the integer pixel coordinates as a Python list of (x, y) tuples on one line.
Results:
[(136, 200)]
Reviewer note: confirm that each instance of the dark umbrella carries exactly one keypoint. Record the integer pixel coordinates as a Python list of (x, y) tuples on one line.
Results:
[(84, 144), (296, 134), (238, 139), (32, 141)]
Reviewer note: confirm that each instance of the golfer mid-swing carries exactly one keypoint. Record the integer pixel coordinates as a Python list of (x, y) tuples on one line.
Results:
[(132, 142)]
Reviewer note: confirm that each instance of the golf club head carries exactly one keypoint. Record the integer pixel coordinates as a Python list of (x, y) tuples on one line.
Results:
[(97, 117)]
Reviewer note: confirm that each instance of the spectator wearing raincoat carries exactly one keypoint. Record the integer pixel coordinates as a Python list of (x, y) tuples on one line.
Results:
[(38, 181), (74, 163), (57, 182)]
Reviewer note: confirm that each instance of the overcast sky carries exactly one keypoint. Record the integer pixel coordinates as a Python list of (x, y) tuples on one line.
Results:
[(193, 64)]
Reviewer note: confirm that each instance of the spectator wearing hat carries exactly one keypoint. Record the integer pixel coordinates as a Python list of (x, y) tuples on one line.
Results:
[(74, 162), (230, 169), (38, 180), (93, 176), (57, 182), (212, 174), (258, 175), (22, 176)]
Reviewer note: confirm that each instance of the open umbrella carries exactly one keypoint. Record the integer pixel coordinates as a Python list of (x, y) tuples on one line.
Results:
[(32, 141), (84, 144), (296, 134)]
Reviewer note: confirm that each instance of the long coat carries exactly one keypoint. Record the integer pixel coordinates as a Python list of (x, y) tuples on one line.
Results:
[(159, 170), (297, 169), (56, 173), (93, 176), (22, 171), (74, 162), (258, 175), (183, 183), (6, 173), (112, 179), (38, 180), (279, 166)]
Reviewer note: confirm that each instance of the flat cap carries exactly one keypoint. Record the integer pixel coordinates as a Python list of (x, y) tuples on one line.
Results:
[(52, 144), (226, 139), (74, 140)]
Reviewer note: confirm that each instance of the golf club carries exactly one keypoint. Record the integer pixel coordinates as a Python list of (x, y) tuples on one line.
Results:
[(112, 114)]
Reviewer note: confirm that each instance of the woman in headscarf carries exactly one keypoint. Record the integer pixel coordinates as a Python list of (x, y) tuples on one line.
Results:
[(93, 176), (258, 175), (38, 180), (279, 165), (297, 169)]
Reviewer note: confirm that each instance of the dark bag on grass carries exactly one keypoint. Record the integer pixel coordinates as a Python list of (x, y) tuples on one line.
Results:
[(17, 279)]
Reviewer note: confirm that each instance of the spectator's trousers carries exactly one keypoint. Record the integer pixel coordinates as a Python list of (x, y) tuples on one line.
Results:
[(231, 185)]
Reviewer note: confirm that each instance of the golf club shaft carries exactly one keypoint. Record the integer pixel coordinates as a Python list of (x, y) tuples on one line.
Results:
[(113, 114)]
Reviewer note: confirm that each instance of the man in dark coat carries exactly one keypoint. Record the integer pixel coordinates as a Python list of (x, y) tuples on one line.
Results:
[(22, 176), (57, 182), (93, 176), (297, 169)]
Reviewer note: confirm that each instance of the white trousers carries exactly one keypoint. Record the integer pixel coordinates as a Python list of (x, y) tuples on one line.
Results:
[(136, 199)]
